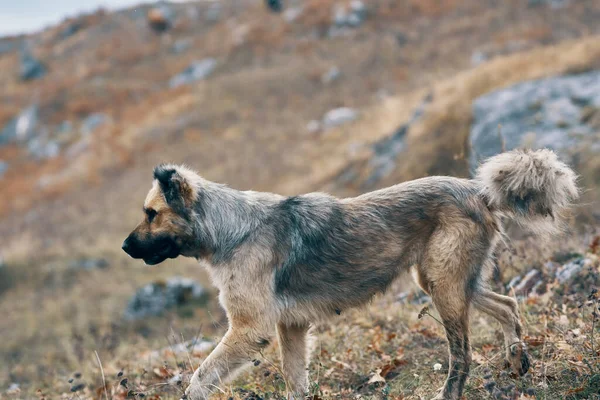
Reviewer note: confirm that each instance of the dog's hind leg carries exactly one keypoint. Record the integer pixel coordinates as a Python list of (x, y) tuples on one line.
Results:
[(504, 309), (294, 358), (453, 308), (450, 270)]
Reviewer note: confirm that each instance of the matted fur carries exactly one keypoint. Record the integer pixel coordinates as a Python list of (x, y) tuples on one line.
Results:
[(529, 186), (282, 263)]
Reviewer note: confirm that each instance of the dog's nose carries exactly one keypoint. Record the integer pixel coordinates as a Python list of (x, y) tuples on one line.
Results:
[(126, 246)]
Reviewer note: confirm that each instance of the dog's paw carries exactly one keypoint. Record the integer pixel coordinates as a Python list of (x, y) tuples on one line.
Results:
[(439, 395), (195, 392), (518, 359)]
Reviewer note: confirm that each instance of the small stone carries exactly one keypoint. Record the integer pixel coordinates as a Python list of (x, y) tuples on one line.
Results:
[(157, 297), (31, 67), (331, 75), (198, 70), (93, 122), (437, 367), (13, 389), (339, 116), (567, 271), (291, 14)]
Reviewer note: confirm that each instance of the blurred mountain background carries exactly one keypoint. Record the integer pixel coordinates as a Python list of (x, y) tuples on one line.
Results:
[(290, 97)]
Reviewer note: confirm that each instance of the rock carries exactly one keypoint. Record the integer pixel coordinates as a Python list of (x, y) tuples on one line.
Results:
[(352, 16), (22, 127), (359, 8), (157, 297), (546, 112), (93, 122), (161, 18), (529, 281), (64, 132), (569, 270), (31, 68), (274, 5), (42, 148), (331, 75), (89, 263), (27, 123), (198, 70), (340, 16), (3, 169), (339, 116), (386, 150), (292, 14), (72, 28), (13, 389)]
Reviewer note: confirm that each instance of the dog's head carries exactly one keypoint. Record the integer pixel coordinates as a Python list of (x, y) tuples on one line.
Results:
[(167, 228)]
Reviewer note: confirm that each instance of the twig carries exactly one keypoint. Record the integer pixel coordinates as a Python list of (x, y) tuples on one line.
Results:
[(172, 348), (425, 311), (103, 378), (593, 326), (544, 382)]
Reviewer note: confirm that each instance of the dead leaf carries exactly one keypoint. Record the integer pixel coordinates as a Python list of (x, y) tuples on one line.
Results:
[(534, 341), (377, 377)]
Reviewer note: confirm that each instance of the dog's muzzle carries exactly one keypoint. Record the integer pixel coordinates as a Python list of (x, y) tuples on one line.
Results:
[(152, 250)]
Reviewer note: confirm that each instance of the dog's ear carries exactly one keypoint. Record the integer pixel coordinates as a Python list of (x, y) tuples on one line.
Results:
[(176, 189)]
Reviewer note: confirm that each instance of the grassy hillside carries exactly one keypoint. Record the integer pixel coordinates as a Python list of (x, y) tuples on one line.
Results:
[(247, 125)]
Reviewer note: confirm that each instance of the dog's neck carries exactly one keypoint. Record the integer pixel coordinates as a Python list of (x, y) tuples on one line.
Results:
[(226, 217)]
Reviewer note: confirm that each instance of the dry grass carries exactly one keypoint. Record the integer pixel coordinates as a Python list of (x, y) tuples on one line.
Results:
[(246, 126)]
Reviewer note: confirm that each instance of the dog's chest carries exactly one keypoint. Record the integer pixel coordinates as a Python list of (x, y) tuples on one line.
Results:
[(242, 288)]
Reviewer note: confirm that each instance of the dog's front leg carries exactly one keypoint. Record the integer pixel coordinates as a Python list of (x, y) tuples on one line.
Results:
[(237, 348), (294, 358)]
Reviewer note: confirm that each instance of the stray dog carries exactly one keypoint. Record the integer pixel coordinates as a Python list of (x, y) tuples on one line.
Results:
[(283, 263)]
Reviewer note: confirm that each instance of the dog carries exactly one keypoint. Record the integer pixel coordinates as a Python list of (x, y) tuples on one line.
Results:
[(284, 263)]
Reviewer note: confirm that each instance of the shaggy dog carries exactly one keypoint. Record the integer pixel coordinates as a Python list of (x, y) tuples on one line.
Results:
[(283, 263)]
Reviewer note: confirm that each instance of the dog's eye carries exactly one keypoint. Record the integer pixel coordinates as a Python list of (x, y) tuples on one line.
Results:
[(151, 214)]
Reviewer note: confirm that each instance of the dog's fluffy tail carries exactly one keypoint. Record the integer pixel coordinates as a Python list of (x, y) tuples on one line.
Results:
[(533, 187)]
